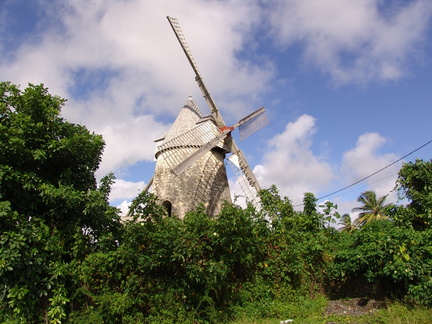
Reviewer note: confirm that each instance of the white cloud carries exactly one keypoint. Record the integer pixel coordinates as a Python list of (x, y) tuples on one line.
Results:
[(353, 40), (128, 190), (290, 163), (124, 208), (125, 76), (123, 72), (364, 159), (129, 142)]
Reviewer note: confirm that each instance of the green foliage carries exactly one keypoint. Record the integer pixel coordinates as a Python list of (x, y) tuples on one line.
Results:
[(65, 256), (388, 261), (390, 258), (51, 211), (276, 208), (330, 214), (296, 308), (346, 224), (398, 313), (415, 184), (193, 267), (372, 208), (206, 269)]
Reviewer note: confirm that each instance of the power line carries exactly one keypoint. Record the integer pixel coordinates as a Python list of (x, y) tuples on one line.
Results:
[(370, 183), (372, 174)]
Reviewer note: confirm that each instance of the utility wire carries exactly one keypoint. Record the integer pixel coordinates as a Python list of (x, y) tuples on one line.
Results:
[(371, 183), (367, 177)]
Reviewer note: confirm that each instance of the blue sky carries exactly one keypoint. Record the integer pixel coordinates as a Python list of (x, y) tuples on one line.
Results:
[(346, 83)]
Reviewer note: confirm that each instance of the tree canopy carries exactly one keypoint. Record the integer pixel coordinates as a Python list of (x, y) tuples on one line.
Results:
[(415, 184), (346, 223), (51, 211), (372, 208)]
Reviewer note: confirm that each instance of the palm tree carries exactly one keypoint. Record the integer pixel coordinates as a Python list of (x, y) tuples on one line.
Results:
[(372, 208), (347, 225)]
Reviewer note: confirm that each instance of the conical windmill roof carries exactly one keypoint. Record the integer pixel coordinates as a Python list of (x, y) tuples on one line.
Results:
[(190, 130), (187, 119)]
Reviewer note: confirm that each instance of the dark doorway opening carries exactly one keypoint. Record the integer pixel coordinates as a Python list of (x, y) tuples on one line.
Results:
[(168, 206)]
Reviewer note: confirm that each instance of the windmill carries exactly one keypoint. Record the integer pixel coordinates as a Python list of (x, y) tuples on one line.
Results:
[(190, 168)]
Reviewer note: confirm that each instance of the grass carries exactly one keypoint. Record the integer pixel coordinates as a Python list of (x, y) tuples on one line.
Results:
[(394, 313)]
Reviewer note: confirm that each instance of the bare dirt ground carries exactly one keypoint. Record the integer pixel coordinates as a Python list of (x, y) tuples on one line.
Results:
[(353, 307)]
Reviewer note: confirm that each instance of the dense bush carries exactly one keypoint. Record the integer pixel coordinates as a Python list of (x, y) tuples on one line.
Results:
[(384, 260), (52, 215), (203, 268)]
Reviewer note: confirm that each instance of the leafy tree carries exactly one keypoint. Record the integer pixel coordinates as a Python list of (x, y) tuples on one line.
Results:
[(51, 212), (274, 206), (346, 224), (309, 203), (372, 208), (170, 269), (313, 219), (329, 213), (297, 248), (415, 184), (385, 260)]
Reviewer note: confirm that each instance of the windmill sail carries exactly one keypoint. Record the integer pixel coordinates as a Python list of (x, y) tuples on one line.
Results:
[(188, 143), (213, 108), (198, 150), (251, 125), (182, 40), (182, 166), (190, 168), (241, 174), (148, 185)]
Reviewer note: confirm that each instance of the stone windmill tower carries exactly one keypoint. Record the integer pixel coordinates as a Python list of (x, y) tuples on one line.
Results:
[(205, 181), (190, 158)]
